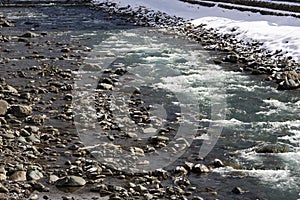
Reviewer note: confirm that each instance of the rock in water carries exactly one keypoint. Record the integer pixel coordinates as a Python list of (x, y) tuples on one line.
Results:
[(3, 107), (70, 181), (20, 110), (29, 34)]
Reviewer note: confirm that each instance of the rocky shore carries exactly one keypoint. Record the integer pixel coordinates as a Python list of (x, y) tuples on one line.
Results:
[(42, 156)]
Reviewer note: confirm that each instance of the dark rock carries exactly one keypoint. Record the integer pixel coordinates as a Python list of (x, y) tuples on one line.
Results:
[(237, 190)]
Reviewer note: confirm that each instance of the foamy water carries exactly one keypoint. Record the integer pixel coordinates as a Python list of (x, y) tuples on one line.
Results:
[(256, 113)]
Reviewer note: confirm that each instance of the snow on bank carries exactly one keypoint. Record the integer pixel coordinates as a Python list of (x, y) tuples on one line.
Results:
[(274, 37), (276, 32)]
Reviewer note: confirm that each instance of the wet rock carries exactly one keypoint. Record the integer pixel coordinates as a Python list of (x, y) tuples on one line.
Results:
[(3, 107), (29, 34), (20, 110), (273, 148), (70, 181), (18, 176), (200, 168), (218, 163), (237, 190)]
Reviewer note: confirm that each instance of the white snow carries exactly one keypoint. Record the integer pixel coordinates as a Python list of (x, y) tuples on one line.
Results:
[(276, 32)]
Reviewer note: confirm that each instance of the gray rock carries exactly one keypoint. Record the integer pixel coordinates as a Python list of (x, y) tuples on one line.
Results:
[(3, 107), (35, 175), (70, 181), (18, 176), (53, 179), (20, 110)]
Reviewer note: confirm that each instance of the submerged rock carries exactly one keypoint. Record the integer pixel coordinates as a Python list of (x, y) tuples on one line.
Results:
[(273, 148)]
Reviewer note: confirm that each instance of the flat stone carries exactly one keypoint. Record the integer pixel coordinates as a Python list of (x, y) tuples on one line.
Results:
[(3, 107), (71, 181)]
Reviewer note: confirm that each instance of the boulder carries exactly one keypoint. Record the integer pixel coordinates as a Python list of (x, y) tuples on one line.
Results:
[(20, 110)]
